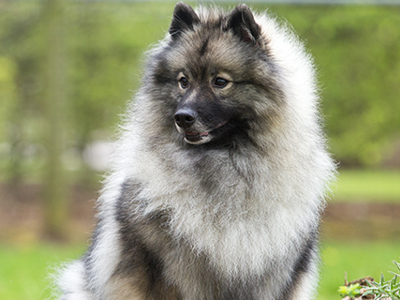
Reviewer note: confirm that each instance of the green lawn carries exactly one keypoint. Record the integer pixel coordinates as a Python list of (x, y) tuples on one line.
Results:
[(367, 185), (358, 259), (24, 272)]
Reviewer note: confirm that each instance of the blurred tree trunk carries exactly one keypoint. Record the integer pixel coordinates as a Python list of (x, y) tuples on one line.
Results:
[(55, 183)]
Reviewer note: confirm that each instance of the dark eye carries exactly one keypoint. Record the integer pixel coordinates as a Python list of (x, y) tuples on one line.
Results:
[(220, 82), (184, 82)]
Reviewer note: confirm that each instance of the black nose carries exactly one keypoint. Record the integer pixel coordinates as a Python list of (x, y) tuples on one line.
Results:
[(185, 117)]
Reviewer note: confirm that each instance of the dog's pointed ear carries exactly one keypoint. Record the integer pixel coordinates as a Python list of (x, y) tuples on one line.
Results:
[(242, 22), (184, 19)]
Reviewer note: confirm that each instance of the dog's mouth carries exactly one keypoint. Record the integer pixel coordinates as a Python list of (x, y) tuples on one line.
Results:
[(196, 138)]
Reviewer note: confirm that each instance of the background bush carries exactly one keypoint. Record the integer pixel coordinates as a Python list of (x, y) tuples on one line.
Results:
[(356, 50)]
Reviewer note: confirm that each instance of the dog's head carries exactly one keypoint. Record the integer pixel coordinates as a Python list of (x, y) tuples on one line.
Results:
[(215, 72)]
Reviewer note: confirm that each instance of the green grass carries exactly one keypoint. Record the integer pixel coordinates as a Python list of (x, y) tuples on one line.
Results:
[(368, 185), (24, 272), (358, 259)]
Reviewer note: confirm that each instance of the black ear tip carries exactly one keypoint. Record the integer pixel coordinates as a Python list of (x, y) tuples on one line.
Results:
[(243, 10), (243, 24), (184, 18), (181, 6), (182, 9), (242, 7)]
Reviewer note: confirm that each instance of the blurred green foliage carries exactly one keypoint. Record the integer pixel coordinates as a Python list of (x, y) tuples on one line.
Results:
[(356, 50)]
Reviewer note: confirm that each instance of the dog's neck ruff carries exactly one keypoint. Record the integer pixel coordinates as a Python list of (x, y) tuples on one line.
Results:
[(237, 223)]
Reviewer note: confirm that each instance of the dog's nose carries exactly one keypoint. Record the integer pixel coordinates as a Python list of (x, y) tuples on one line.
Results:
[(185, 117)]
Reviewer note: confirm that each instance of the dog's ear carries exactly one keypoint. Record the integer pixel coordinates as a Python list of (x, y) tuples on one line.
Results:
[(184, 18), (242, 22)]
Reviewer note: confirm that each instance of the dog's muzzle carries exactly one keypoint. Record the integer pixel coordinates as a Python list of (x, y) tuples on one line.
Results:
[(185, 121)]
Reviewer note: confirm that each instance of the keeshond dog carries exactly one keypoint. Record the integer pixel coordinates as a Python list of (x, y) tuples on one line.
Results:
[(220, 171)]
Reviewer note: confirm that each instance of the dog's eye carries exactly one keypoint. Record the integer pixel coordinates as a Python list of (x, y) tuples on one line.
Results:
[(184, 82), (220, 82)]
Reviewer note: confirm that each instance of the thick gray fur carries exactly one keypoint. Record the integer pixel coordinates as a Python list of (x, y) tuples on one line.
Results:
[(230, 207)]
